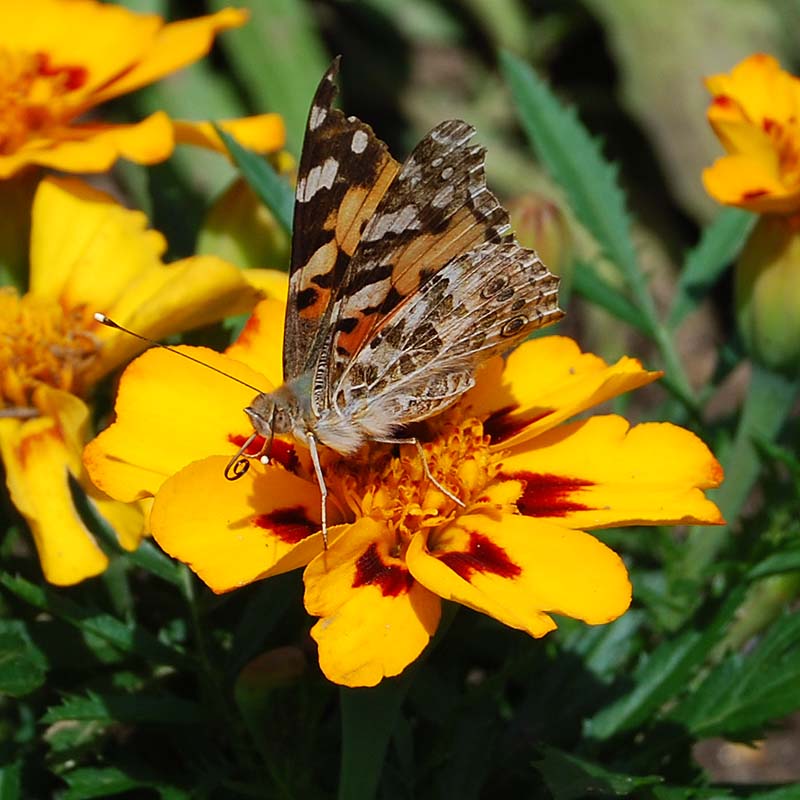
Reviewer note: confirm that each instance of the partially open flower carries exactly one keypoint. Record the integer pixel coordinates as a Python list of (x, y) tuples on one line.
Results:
[(531, 483), (755, 112), (88, 253), (61, 58)]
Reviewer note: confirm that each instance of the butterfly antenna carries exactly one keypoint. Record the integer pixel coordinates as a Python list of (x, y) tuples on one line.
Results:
[(109, 323)]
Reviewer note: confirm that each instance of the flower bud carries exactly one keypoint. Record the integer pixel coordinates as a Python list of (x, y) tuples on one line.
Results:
[(270, 670), (239, 229), (539, 223), (768, 293)]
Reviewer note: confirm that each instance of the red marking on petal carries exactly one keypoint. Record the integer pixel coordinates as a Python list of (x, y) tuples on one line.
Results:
[(546, 495), (483, 556), (290, 525), (770, 126), (282, 452), (754, 193), (372, 570), (501, 426), (723, 101), (73, 76)]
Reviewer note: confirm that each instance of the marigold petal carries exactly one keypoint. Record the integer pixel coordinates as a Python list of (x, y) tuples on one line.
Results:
[(600, 472), (544, 382), (272, 283), (170, 412), (38, 457), (164, 300), (95, 147), (235, 532), (174, 46), (260, 344), (750, 183), (68, 253), (376, 619), (519, 570), (103, 39), (264, 133)]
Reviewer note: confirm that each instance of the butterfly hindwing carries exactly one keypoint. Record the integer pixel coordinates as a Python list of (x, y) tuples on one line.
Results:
[(423, 356), (344, 172)]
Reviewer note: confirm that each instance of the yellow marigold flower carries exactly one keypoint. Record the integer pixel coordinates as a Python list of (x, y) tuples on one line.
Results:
[(532, 483), (755, 111), (61, 58), (88, 253)]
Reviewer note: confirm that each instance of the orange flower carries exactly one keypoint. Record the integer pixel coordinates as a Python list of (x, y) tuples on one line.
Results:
[(61, 58), (755, 112), (531, 481), (87, 253)]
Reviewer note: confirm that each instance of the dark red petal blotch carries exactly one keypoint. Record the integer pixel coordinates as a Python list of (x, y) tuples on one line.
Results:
[(546, 495), (372, 570), (290, 525), (483, 556)]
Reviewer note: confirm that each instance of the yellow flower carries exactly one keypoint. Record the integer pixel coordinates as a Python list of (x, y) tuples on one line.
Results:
[(87, 253), (532, 483), (755, 112), (61, 58)]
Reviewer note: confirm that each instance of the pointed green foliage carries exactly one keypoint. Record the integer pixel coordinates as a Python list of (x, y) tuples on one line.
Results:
[(721, 241), (576, 162), (22, 665), (273, 190), (746, 690), (571, 778), (133, 708)]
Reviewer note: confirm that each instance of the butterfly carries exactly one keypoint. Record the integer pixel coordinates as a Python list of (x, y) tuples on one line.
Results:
[(403, 280)]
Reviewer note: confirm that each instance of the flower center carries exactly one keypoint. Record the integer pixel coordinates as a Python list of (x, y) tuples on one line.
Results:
[(33, 95), (41, 342), (395, 489)]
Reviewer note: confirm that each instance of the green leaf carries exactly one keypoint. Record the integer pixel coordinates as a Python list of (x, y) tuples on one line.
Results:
[(127, 637), (368, 719), (575, 161), (776, 564), (744, 692), (89, 782), (273, 190), (280, 58), (133, 708), (571, 778), (719, 244), (589, 284), (11, 781), (22, 665)]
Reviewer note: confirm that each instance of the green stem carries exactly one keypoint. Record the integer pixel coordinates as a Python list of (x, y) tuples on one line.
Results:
[(769, 401)]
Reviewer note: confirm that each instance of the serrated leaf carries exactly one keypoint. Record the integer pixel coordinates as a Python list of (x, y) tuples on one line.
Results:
[(127, 637), (22, 665), (719, 244), (271, 189), (571, 778), (90, 782), (746, 691), (575, 161), (136, 708)]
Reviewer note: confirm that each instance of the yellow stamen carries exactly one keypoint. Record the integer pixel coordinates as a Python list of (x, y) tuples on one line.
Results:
[(392, 488), (41, 343), (35, 96)]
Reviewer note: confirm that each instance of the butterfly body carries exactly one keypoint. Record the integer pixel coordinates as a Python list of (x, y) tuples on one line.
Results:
[(404, 279)]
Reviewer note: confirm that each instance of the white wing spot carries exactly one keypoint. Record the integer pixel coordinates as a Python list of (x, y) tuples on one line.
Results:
[(447, 173), (398, 221), (320, 177), (317, 117), (443, 197), (359, 142)]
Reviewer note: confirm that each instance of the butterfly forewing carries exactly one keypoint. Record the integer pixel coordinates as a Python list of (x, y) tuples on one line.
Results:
[(344, 172), (437, 208)]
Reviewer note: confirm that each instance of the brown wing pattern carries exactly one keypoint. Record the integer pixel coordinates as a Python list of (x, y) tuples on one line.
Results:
[(344, 172), (437, 208), (423, 356)]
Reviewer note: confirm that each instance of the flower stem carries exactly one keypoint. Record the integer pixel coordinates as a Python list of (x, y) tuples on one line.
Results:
[(768, 402)]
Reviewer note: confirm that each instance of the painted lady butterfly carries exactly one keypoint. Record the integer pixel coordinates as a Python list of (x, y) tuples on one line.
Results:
[(403, 280)]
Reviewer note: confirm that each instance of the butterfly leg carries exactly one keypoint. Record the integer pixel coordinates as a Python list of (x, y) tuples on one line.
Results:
[(323, 489), (427, 470)]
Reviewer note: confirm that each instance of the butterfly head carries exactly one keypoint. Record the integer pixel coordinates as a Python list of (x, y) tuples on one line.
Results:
[(273, 412)]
